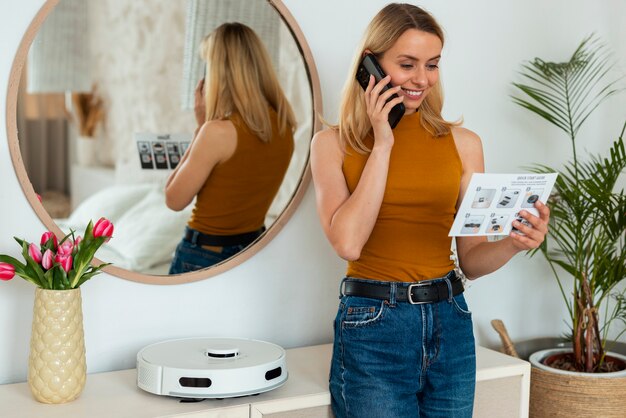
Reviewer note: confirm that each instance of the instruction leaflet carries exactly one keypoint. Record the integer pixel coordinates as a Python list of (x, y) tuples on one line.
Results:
[(161, 151), (493, 201)]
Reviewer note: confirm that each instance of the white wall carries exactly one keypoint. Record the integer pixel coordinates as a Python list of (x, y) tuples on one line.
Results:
[(287, 293)]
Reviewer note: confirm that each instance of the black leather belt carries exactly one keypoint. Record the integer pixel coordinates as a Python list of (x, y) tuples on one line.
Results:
[(415, 293), (198, 238)]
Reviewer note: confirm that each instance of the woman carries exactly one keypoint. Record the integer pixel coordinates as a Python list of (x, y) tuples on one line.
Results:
[(239, 154), (404, 345)]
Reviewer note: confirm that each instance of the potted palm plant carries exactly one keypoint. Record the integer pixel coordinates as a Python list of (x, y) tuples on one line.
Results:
[(585, 247)]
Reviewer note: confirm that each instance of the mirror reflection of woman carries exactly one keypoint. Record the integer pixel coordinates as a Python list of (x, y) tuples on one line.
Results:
[(404, 345), (240, 151)]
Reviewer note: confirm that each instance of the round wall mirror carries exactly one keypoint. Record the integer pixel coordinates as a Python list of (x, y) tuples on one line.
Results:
[(100, 110)]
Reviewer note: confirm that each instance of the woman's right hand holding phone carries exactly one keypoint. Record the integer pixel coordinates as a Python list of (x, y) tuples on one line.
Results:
[(378, 110)]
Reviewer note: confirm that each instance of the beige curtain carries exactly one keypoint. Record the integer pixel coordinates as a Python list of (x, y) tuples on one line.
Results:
[(204, 16), (42, 124)]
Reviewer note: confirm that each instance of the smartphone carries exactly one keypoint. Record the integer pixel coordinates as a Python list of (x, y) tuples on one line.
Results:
[(370, 66)]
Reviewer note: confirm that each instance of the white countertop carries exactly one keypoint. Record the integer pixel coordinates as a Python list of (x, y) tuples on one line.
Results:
[(115, 394)]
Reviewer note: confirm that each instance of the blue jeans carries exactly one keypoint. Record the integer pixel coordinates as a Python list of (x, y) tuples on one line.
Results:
[(394, 359), (192, 257)]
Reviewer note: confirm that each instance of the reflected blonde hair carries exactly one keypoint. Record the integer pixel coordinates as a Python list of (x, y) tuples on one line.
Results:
[(381, 34), (241, 78)]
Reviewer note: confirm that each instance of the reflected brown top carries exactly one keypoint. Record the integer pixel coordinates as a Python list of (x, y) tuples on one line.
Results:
[(238, 193), (410, 240)]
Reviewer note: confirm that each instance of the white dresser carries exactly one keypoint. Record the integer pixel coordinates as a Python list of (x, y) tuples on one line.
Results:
[(502, 392)]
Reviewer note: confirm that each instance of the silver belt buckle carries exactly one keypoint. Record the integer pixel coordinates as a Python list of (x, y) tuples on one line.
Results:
[(409, 294), (342, 288)]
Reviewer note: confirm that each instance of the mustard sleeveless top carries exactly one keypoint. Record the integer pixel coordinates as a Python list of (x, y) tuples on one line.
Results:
[(410, 240), (239, 191)]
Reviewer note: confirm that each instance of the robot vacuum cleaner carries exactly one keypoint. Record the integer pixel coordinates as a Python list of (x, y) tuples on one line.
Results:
[(211, 367)]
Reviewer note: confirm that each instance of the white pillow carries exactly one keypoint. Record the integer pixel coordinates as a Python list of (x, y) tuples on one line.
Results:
[(149, 232), (110, 203), (66, 226), (108, 254)]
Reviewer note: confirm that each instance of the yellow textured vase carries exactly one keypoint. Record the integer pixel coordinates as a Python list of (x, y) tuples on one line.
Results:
[(56, 365)]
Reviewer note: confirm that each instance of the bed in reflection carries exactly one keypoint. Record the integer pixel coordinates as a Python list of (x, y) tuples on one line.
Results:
[(146, 231)]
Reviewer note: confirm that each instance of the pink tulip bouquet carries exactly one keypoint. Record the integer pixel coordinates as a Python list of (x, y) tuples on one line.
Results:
[(59, 265)]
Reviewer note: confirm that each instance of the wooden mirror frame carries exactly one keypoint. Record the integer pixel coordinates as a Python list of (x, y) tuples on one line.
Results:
[(256, 246)]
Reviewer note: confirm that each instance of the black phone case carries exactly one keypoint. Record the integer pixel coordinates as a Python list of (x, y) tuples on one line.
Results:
[(368, 66)]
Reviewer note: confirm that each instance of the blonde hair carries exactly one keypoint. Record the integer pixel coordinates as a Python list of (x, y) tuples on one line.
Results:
[(241, 79), (381, 34)]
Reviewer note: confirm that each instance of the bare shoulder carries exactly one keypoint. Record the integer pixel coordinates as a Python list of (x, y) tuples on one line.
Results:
[(325, 138), (218, 130), (466, 140), (470, 149), (216, 140), (326, 143)]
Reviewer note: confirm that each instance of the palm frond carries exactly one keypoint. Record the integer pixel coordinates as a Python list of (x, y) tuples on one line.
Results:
[(587, 231), (566, 93)]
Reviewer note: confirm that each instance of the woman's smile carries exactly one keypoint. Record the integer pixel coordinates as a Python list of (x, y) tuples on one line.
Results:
[(412, 94)]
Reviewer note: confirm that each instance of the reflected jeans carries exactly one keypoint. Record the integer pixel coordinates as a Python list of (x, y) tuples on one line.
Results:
[(394, 359), (192, 257)]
